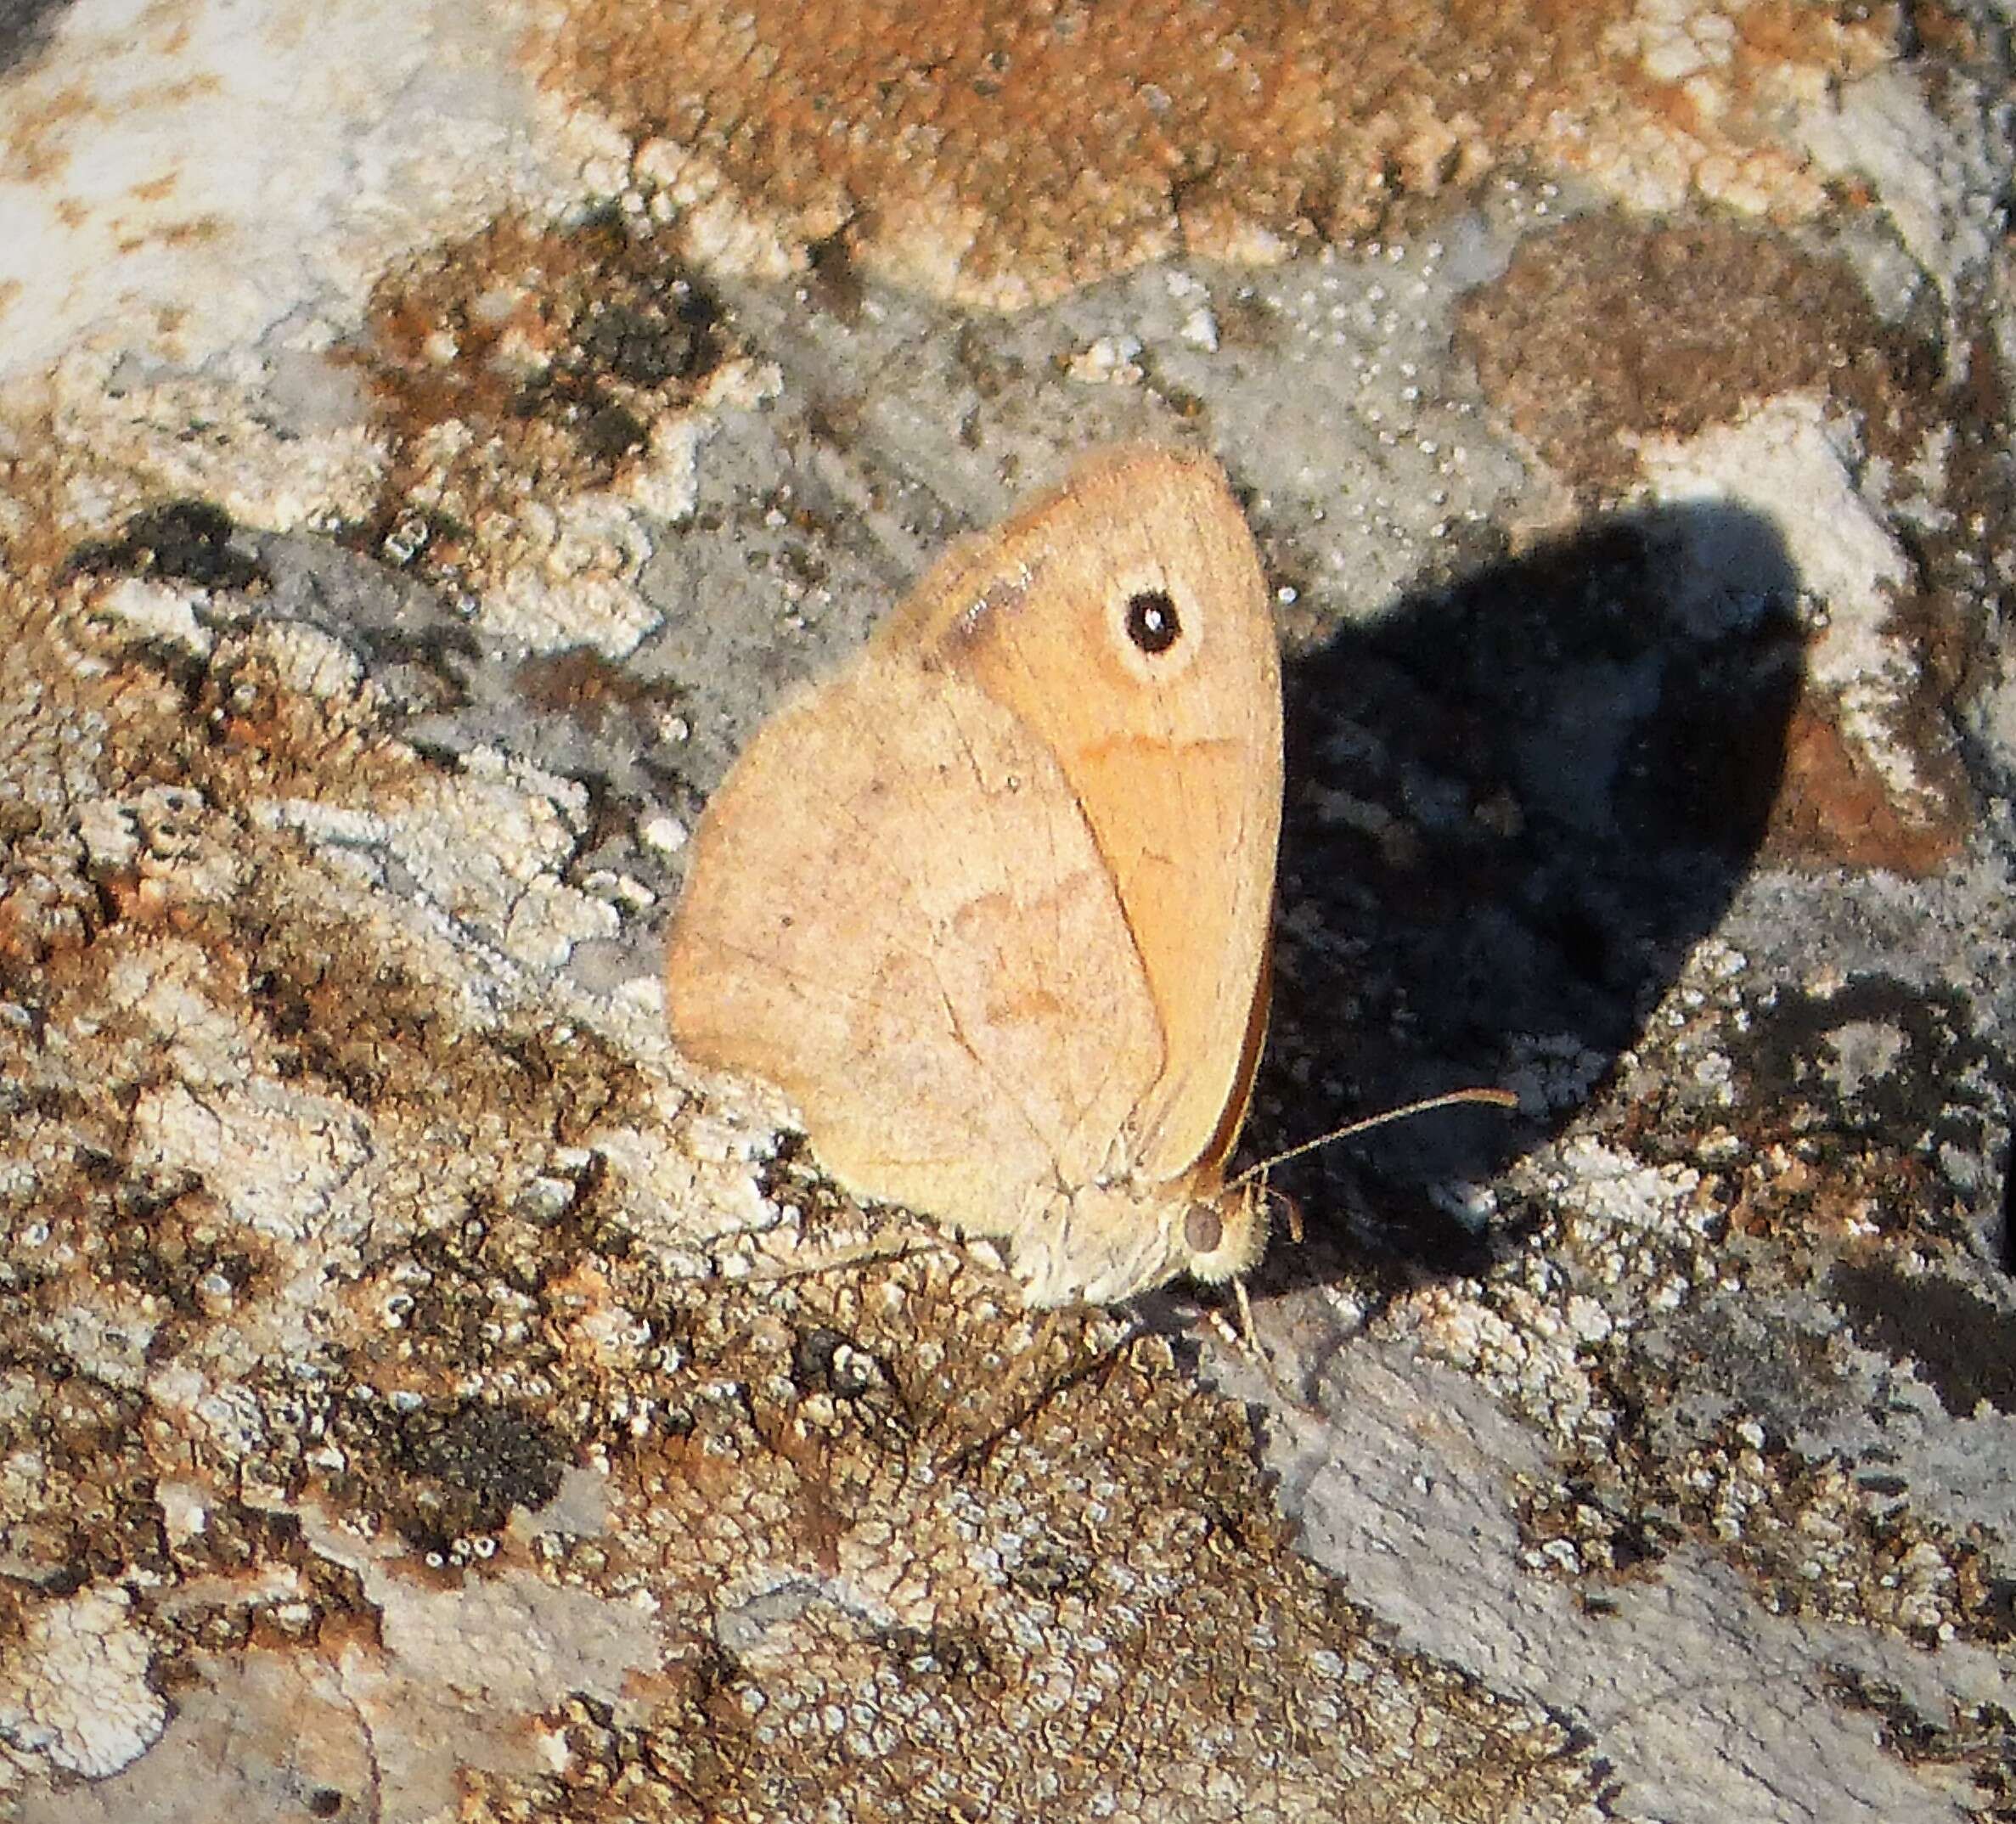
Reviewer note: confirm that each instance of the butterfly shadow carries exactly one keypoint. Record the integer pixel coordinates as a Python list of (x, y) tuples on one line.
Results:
[(1514, 804)]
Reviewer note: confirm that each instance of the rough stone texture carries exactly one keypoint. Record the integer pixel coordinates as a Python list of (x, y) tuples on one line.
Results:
[(433, 439)]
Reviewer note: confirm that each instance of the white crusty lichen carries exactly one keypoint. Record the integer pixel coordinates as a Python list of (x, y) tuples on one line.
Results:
[(74, 1689)]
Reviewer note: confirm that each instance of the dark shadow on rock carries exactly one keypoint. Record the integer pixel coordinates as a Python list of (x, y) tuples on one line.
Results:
[(1514, 806), (25, 26)]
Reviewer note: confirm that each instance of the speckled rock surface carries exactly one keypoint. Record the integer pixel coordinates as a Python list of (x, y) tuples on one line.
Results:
[(434, 437)]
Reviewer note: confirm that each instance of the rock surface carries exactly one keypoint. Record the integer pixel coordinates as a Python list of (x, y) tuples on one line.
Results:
[(434, 439)]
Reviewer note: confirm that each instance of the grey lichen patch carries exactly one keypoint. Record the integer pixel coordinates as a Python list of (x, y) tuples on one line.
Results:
[(75, 1687), (1676, 1333)]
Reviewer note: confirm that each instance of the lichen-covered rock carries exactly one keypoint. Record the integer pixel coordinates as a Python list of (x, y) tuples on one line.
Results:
[(422, 1396)]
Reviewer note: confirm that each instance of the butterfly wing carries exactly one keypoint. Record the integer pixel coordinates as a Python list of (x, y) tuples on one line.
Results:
[(1123, 620), (897, 914)]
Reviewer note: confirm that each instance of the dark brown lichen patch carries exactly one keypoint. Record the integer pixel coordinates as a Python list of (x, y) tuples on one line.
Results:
[(169, 1245), (375, 1032), (523, 362), (605, 701), (250, 718), (1976, 1741), (1005, 156), (55, 894), (1957, 1340), (187, 541), (1871, 1054), (467, 1466), (1608, 331), (82, 1504)]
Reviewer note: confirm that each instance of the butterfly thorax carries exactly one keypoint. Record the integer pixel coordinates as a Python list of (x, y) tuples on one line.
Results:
[(1123, 1235)]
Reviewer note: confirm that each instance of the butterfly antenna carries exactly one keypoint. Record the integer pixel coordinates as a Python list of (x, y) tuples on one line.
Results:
[(1489, 1098)]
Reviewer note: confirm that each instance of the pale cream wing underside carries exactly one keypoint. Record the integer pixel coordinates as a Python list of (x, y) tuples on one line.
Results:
[(896, 914)]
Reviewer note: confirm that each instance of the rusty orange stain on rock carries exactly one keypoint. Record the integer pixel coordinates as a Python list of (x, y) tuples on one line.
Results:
[(1005, 155), (1835, 809)]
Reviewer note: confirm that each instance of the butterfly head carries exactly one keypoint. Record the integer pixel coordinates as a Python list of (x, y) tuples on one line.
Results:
[(1223, 1233)]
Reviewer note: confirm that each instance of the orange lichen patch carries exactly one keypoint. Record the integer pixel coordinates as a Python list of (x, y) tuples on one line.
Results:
[(523, 361), (1005, 154), (1608, 331)]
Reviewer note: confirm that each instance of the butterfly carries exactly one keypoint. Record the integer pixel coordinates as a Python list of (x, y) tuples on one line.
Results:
[(991, 905)]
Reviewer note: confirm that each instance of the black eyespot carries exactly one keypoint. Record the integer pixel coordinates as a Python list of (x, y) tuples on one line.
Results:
[(1151, 621), (1203, 1229)]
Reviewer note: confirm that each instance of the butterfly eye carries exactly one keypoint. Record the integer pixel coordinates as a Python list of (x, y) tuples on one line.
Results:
[(1152, 624), (1204, 1230)]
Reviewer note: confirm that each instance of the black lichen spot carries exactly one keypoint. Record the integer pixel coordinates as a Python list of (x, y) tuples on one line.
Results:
[(824, 1361), (470, 1466), (610, 432), (938, 1657), (185, 541), (1048, 1571), (813, 1356), (648, 346), (1960, 1342), (837, 286)]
